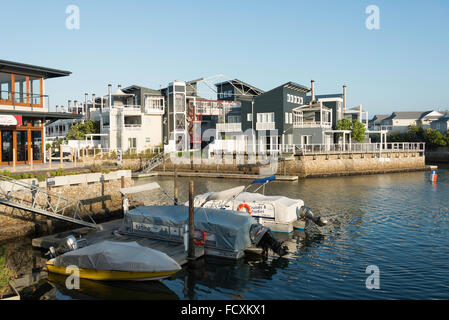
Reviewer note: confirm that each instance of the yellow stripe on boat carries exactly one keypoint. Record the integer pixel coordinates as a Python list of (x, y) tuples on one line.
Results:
[(110, 274)]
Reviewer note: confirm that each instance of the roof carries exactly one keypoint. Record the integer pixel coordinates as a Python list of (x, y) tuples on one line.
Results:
[(42, 114), (378, 118), (28, 69), (237, 82), (406, 115), (295, 86), (144, 89), (324, 96)]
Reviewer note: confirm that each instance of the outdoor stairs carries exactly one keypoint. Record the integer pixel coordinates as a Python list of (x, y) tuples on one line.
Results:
[(152, 163), (31, 198)]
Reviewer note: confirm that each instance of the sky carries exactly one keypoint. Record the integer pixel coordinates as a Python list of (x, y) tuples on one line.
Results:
[(402, 66)]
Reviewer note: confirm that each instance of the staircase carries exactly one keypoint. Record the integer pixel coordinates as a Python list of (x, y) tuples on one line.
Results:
[(153, 163), (26, 197)]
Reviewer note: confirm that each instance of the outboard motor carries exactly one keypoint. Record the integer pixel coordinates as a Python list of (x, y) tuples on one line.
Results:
[(307, 213), (67, 244), (263, 238)]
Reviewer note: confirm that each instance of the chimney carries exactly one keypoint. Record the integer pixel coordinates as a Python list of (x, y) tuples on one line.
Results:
[(93, 100), (86, 96), (344, 97), (56, 108), (119, 87), (312, 85), (69, 106), (76, 106), (110, 95)]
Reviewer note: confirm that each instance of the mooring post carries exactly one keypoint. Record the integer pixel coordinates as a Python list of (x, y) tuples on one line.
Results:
[(191, 252), (175, 182), (75, 155)]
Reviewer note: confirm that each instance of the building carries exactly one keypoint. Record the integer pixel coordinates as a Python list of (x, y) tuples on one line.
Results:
[(130, 118), (400, 121), (24, 110), (283, 117)]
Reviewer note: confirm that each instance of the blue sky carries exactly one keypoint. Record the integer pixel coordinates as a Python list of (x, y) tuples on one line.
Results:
[(402, 66)]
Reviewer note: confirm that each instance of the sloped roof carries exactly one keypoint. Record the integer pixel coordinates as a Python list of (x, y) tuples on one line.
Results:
[(237, 82), (28, 69), (378, 118)]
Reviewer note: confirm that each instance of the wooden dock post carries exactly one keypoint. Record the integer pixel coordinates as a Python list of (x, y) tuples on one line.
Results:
[(82, 155), (191, 252), (13, 159), (60, 156), (49, 158), (75, 155), (175, 185)]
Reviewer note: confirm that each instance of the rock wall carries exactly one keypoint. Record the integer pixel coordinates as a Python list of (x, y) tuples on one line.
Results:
[(308, 166)]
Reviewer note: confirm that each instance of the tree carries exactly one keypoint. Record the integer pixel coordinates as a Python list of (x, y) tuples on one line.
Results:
[(357, 128), (78, 131), (435, 138)]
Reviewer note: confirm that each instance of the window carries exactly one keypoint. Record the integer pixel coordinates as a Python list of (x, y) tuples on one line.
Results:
[(35, 90), (20, 89), (132, 143), (286, 117), (290, 118), (5, 86), (234, 119), (249, 117), (265, 117)]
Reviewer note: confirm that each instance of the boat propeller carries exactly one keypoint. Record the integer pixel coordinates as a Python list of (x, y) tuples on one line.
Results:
[(263, 238), (307, 213)]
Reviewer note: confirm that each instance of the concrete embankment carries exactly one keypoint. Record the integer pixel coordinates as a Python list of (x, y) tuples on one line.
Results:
[(98, 192), (305, 166)]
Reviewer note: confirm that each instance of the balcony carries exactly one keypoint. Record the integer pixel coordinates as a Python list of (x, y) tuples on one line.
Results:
[(10, 98), (229, 127), (312, 124), (154, 109), (265, 125), (133, 126)]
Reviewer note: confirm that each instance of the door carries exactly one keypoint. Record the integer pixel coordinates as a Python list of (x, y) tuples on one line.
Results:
[(7, 145), (22, 145)]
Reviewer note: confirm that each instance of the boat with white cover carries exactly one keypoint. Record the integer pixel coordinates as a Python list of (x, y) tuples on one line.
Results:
[(279, 213)]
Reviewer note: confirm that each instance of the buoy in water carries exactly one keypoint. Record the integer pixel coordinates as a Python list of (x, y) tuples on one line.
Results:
[(434, 175)]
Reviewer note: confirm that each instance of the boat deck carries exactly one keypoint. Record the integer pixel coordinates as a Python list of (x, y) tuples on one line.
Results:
[(173, 250)]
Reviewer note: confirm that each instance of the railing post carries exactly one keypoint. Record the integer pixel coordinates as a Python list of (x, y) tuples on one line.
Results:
[(30, 152), (191, 252), (60, 156), (49, 160), (13, 159)]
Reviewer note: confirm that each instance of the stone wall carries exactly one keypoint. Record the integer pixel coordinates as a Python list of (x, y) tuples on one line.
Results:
[(102, 199), (309, 166)]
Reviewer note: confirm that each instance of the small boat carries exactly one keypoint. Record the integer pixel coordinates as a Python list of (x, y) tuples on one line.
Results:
[(113, 260), (279, 213)]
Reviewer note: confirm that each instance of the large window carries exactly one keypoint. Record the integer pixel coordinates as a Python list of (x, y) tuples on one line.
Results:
[(5, 86), (35, 90), (7, 142), (36, 144), (20, 89), (265, 117)]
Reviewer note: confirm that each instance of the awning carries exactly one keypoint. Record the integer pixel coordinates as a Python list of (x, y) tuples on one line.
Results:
[(41, 115)]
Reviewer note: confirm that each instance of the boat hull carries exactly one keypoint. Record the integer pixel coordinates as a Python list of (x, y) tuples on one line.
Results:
[(111, 275)]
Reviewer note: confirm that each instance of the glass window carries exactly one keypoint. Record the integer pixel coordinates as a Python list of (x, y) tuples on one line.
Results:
[(20, 89), (7, 146), (35, 90), (36, 144), (5, 86)]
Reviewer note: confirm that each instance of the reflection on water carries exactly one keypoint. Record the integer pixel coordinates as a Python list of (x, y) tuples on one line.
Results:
[(398, 222)]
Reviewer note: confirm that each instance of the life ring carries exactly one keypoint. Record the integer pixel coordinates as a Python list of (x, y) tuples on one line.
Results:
[(203, 240), (244, 205)]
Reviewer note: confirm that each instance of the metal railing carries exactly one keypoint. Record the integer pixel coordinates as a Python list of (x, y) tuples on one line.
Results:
[(229, 127), (265, 125), (24, 99), (305, 149), (312, 124), (31, 198)]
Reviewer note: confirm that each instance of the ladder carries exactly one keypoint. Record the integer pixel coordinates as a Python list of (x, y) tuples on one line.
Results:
[(31, 198)]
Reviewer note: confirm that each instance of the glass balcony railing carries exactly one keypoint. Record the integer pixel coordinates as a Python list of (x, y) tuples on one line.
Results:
[(23, 99)]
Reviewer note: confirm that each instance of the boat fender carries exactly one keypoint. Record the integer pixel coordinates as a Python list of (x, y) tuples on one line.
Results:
[(202, 241), (244, 205)]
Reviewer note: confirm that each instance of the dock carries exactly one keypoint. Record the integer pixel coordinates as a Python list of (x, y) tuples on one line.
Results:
[(174, 250), (217, 175)]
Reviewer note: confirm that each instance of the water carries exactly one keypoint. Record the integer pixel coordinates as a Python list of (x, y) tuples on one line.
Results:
[(397, 222)]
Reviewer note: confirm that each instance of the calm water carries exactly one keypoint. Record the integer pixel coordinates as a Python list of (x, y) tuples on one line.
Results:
[(398, 222)]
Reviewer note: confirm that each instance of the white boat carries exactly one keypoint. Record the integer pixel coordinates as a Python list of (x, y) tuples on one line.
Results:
[(279, 213), (112, 260)]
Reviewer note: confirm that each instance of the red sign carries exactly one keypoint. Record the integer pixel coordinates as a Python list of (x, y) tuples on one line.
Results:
[(10, 120)]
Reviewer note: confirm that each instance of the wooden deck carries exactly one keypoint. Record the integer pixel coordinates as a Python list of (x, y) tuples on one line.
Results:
[(173, 250)]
